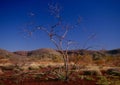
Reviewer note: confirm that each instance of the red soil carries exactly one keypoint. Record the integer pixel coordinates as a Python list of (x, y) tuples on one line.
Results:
[(10, 78)]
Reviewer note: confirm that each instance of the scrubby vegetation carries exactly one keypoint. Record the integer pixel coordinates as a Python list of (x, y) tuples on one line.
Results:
[(38, 67)]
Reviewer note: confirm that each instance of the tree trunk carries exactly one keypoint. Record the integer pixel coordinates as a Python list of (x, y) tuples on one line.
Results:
[(66, 68)]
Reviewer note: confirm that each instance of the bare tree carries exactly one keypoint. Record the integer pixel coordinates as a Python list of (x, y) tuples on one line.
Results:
[(57, 34)]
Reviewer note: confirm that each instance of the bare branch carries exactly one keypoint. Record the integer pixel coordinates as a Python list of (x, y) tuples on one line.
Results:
[(54, 10), (43, 29), (65, 33), (90, 37), (56, 44)]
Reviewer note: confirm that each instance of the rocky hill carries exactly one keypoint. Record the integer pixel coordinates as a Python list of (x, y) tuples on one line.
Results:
[(49, 54)]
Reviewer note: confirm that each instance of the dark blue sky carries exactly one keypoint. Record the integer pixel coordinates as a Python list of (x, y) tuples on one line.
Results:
[(101, 17)]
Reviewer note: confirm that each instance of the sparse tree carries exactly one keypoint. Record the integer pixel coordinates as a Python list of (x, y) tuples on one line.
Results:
[(57, 34)]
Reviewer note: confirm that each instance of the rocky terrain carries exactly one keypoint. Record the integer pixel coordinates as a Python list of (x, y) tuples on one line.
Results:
[(38, 66)]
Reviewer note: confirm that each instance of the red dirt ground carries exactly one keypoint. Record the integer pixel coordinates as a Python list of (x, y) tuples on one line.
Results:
[(9, 78)]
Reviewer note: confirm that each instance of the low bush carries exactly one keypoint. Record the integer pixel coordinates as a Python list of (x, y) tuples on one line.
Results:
[(102, 80), (115, 72)]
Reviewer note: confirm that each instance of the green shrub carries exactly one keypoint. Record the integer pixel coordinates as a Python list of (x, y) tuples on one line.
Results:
[(56, 58), (8, 67), (89, 78), (92, 72), (115, 72), (102, 81)]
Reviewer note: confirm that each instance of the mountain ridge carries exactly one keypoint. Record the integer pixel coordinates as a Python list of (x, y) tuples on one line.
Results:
[(5, 53)]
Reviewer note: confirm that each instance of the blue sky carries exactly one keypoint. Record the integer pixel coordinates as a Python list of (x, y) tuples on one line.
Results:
[(101, 17)]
